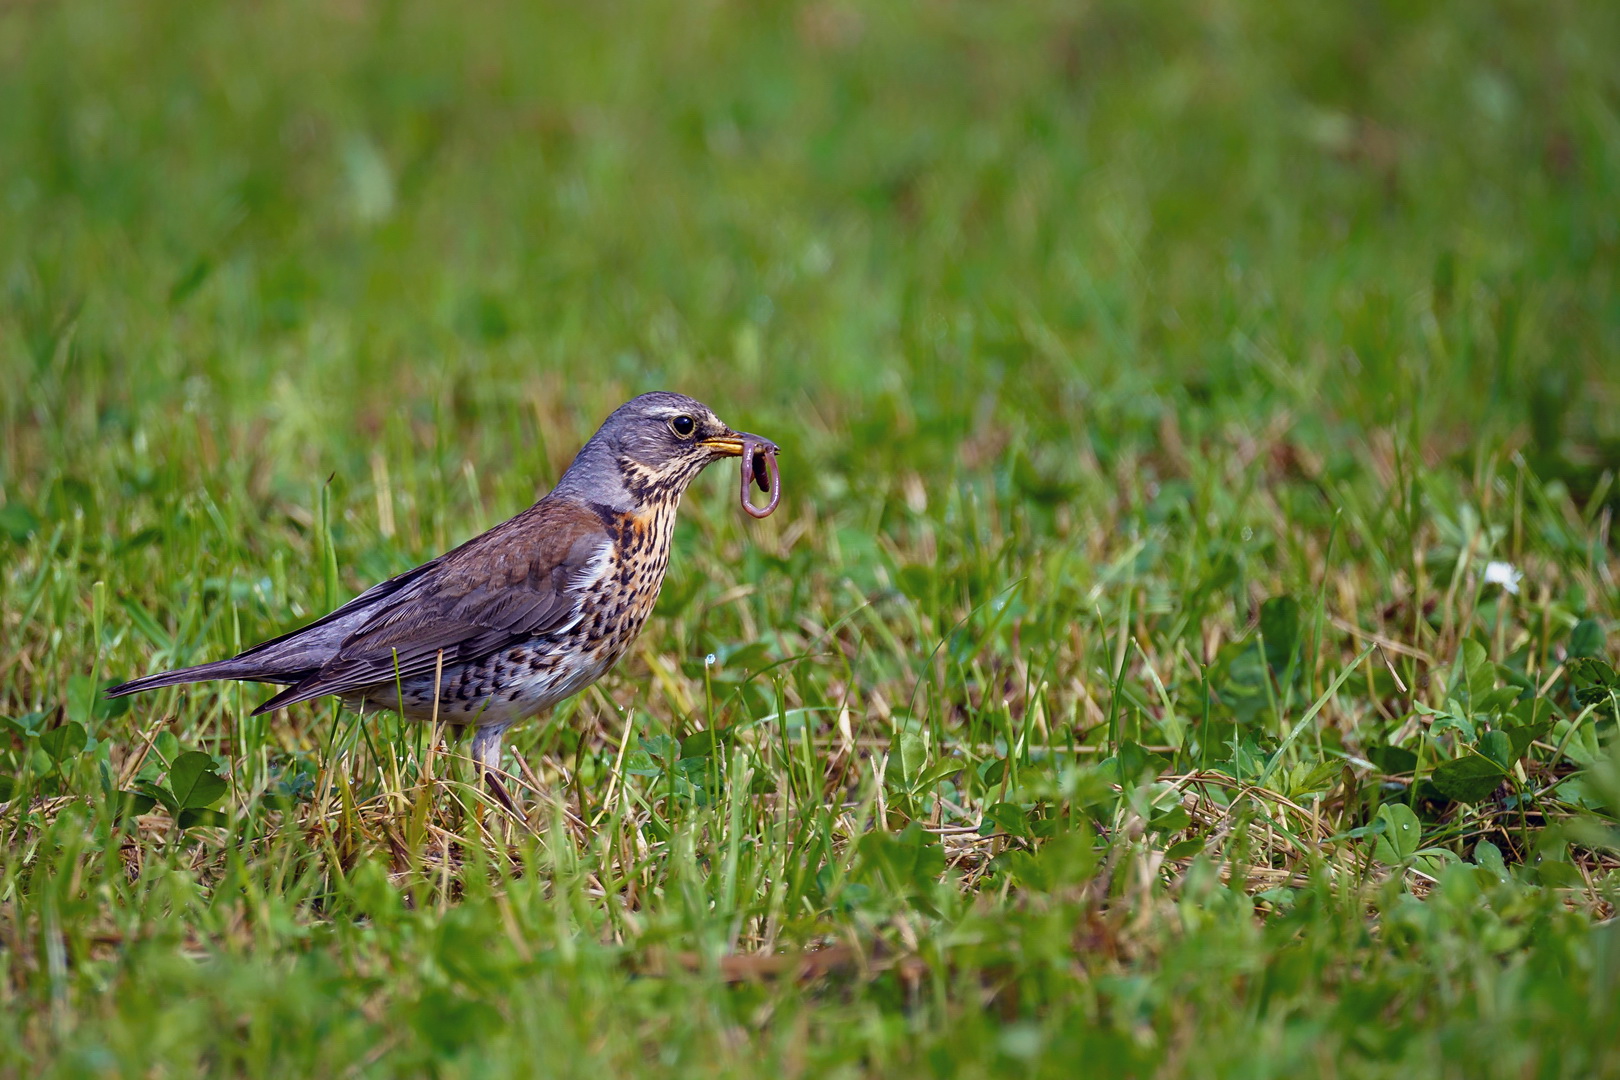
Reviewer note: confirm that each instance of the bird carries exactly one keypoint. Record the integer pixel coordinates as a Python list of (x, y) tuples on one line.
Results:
[(521, 616)]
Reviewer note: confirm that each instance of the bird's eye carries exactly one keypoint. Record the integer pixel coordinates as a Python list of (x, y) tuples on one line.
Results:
[(683, 426)]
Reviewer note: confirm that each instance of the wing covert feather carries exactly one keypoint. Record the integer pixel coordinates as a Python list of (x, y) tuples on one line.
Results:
[(515, 582)]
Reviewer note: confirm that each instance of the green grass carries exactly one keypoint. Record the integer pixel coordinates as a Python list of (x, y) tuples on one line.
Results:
[(1119, 688)]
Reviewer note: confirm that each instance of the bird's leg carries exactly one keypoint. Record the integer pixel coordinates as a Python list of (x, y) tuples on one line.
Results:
[(486, 750)]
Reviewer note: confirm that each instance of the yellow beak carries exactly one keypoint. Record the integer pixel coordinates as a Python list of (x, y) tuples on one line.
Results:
[(726, 445)]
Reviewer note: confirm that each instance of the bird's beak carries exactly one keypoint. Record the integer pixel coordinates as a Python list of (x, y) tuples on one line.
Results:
[(727, 445), (731, 444)]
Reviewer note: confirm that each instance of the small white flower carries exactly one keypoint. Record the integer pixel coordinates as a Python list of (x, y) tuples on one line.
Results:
[(1503, 574)]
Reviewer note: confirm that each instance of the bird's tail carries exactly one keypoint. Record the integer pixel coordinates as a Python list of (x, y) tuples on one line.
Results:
[(233, 668)]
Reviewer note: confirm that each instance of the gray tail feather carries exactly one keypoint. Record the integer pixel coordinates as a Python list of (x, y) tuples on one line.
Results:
[(233, 668)]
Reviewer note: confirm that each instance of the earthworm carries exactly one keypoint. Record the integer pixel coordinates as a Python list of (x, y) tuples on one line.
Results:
[(759, 466)]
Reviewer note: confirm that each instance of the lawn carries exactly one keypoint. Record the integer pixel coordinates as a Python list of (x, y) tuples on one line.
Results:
[(1185, 646)]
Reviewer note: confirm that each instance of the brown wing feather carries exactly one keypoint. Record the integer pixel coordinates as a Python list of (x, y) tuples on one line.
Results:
[(478, 600)]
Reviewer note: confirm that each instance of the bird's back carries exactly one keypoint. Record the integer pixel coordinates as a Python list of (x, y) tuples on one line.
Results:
[(615, 593)]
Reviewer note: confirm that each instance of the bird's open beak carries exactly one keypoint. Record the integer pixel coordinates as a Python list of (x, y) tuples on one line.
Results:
[(731, 443)]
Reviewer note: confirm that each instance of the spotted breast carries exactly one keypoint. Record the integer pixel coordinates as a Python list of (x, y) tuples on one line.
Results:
[(616, 591)]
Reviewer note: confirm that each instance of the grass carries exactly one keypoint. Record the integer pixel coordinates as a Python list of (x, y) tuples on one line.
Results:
[(1122, 684)]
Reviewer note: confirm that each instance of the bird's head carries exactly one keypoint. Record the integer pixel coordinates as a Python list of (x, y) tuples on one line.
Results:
[(651, 448)]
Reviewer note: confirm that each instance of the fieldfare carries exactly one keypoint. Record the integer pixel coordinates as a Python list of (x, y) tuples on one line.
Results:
[(522, 616)]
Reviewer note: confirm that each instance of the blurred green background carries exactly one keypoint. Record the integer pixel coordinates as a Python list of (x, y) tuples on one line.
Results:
[(896, 233)]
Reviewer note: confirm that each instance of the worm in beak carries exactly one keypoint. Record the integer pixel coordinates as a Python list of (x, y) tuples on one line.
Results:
[(759, 467)]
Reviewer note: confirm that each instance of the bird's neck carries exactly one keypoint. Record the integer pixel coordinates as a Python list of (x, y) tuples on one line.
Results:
[(595, 476), (601, 475)]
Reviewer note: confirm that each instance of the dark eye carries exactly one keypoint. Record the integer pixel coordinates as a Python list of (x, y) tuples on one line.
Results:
[(683, 426)]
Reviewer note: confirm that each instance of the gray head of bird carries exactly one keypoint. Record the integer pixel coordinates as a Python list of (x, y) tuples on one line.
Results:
[(652, 447)]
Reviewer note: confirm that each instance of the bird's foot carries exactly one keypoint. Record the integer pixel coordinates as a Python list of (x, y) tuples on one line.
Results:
[(486, 750), (492, 780)]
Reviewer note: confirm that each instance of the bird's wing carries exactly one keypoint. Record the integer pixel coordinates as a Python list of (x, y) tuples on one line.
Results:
[(515, 582)]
